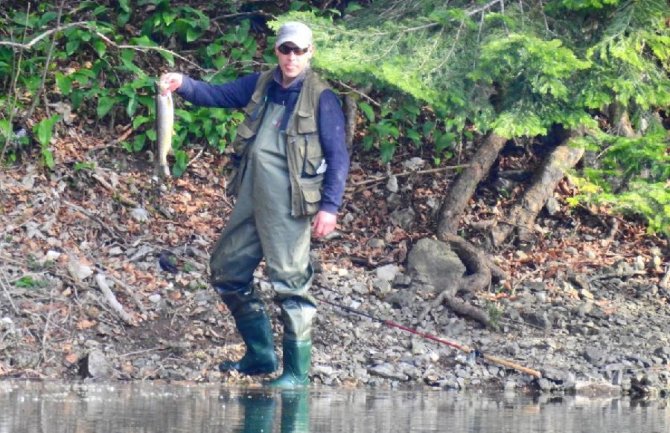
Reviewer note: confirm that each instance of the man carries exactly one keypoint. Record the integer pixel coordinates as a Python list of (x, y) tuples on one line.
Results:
[(291, 168)]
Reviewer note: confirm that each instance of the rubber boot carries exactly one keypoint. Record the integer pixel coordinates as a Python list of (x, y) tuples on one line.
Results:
[(297, 361), (254, 326), (297, 315)]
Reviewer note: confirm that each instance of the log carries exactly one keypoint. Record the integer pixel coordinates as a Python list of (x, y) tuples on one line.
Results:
[(464, 187), (524, 213), (111, 299)]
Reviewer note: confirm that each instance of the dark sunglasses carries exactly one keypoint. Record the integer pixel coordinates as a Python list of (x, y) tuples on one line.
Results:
[(288, 49)]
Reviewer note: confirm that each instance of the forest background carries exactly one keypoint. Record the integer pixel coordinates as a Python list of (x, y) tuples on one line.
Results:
[(494, 113)]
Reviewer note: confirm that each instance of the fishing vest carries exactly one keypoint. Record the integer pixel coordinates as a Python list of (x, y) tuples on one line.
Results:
[(304, 154)]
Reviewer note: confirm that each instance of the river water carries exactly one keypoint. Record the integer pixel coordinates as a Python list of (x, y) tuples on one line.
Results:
[(36, 407)]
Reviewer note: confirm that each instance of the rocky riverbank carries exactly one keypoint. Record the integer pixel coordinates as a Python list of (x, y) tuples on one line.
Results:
[(83, 294)]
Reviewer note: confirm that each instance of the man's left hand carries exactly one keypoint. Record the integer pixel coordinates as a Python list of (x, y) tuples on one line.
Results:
[(324, 223)]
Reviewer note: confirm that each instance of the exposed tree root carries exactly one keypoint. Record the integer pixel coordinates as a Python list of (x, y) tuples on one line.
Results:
[(524, 213), (460, 307), (480, 270)]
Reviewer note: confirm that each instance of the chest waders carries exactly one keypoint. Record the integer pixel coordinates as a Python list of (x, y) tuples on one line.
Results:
[(261, 226)]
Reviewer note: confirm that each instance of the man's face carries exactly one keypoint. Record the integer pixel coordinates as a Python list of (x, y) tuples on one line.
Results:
[(292, 60)]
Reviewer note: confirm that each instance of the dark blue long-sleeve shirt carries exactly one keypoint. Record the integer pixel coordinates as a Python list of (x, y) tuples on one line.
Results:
[(237, 94)]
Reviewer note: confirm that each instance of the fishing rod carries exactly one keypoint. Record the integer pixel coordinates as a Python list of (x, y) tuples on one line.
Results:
[(463, 348)]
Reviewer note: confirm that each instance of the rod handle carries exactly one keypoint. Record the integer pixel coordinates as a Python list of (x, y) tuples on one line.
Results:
[(512, 365)]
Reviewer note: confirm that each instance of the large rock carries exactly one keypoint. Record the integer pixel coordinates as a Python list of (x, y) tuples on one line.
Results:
[(96, 366), (434, 263)]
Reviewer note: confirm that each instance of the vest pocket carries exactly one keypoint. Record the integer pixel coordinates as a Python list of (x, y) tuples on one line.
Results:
[(311, 194), (306, 122), (313, 163)]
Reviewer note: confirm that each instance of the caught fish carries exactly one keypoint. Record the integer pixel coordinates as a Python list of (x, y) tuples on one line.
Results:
[(164, 126)]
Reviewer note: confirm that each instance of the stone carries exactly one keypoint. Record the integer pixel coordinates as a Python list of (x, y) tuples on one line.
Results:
[(95, 365), (400, 299), (557, 375), (382, 287), (322, 370), (387, 371), (403, 218), (537, 318), (402, 280), (552, 206), (394, 201), (387, 272), (594, 355), (139, 214), (414, 164), (545, 384), (436, 264), (392, 184), (376, 243)]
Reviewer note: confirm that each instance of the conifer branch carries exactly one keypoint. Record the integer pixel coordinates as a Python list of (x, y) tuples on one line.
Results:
[(452, 49)]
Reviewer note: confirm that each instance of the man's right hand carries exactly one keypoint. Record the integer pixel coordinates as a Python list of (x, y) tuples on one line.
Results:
[(170, 81)]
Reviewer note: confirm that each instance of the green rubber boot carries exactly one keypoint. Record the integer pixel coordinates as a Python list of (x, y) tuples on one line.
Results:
[(254, 326), (260, 357), (297, 361)]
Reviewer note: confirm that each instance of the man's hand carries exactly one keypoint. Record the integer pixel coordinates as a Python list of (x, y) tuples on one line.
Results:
[(324, 223), (170, 82)]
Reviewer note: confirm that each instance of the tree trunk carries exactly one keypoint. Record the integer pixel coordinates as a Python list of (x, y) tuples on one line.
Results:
[(464, 187), (524, 213), (350, 111)]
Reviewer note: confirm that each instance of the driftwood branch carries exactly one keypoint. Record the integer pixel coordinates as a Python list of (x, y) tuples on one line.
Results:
[(29, 45), (111, 299), (130, 291), (91, 27), (406, 173)]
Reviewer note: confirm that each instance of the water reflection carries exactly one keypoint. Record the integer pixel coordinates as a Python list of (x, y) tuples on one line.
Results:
[(259, 411), (153, 407)]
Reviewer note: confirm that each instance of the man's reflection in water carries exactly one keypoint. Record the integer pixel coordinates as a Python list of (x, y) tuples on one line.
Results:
[(294, 411), (259, 411)]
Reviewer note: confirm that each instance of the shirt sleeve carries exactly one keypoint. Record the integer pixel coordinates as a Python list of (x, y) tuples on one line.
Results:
[(333, 143), (235, 94)]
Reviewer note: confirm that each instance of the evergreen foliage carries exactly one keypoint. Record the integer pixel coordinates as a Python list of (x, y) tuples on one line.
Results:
[(519, 69)]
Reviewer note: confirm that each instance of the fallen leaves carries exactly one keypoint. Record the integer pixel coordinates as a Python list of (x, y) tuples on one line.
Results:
[(86, 324)]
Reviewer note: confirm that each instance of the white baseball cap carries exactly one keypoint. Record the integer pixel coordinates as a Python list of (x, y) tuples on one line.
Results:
[(295, 32)]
